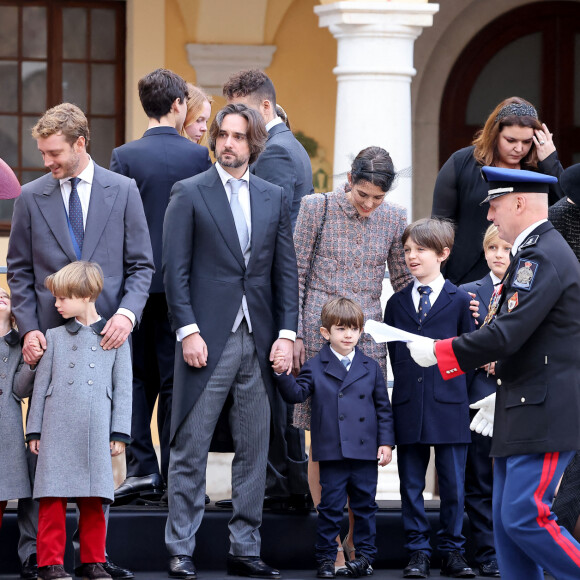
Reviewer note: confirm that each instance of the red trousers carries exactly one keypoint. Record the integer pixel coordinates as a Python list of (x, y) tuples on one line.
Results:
[(2, 508), (51, 539)]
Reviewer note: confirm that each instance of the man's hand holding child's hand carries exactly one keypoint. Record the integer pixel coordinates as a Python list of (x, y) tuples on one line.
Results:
[(384, 455), (117, 447), (279, 363)]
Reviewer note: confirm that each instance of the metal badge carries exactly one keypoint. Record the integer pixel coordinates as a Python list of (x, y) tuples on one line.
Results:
[(526, 272), (512, 302)]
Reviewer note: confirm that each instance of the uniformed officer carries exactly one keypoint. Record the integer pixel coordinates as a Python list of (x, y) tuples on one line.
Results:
[(535, 340)]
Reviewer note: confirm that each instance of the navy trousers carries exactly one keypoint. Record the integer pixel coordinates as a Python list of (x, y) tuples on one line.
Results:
[(356, 479), (412, 461), (528, 539)]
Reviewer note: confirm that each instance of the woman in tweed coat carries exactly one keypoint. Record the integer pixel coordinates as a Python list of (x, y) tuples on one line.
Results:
[(80, 416), (16, 381), (361, 232)]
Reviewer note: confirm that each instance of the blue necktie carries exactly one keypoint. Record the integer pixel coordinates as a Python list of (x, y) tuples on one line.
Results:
[(238, 213), (75, 213), (346, 362), (424, 302)]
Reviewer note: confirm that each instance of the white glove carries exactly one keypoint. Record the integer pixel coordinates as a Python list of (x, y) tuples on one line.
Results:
[(483, 420), (422, 351)]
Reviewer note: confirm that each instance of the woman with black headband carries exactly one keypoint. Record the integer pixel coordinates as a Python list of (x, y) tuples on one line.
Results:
[(512, 137)]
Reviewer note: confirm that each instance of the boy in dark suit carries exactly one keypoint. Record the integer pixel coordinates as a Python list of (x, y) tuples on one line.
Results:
[(480, 384), (428, 411), (351, 419)]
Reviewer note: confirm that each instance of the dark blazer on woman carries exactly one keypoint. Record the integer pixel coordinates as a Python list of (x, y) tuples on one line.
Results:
[(426, 408)]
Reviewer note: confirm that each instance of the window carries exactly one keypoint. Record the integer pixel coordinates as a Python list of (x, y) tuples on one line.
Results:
[(53, 52)]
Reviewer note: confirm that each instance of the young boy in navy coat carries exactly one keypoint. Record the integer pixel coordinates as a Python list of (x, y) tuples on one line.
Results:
[(480, 384), (427, 410), (351, 428)]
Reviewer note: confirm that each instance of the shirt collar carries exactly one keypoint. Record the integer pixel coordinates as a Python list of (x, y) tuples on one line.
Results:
[(273, 122), (86, 174), (73, 325), (523, 235), (436, 285), (494, 278), (339, 356), (225, 176)]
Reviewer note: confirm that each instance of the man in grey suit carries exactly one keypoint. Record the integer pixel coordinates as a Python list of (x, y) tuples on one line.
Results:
[(232, 289), (284, 162), (78, 211)]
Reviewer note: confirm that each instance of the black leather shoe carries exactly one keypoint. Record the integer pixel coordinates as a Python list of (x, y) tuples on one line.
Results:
[(251, 566), (490, 569), (94, 571), (207, 500), (418, 566), (325, 569), (455, 566), (150, 486), (116, 571), (223, 503), (29, 569), (359, 566), (182, 567), (55, 572)]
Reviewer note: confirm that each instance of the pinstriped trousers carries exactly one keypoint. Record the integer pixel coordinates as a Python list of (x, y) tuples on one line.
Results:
[(237, 371)]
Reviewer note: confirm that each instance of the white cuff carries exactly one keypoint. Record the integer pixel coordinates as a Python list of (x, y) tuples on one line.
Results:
[(184, 331), (128, 314), (289, 334)]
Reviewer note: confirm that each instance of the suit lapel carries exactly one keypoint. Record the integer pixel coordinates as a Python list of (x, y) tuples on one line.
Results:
[(358, 369), (484, 292), (216, 200), (407, 303), (52, 208), (103, 196), (332, 366), (261, 208), (442, 301)]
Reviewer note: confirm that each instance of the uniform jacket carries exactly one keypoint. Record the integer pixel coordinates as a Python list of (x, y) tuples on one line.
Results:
[(116, 237), (157, 161), (459, 189), (82, 395), (284, 162), (351, 413), (205, 275), (535, 340), (426, 408), (479, 385), (16, 381)]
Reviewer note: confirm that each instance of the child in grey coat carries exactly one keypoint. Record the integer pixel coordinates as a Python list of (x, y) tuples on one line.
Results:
[(16, 380), (80, 416)]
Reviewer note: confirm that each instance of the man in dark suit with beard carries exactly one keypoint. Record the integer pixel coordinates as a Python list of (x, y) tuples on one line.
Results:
[(231, 282), (284, 162), (156, 161)]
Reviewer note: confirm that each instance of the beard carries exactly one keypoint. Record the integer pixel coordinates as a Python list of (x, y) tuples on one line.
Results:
[(235, 162)]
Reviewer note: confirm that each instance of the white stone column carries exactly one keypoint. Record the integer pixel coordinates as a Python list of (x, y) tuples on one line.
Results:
[(374, 72)]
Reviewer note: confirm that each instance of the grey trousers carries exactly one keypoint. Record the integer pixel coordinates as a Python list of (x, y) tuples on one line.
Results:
[(237, 371)]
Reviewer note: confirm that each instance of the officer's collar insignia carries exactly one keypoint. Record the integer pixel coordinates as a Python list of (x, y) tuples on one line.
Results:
[(525, 274), (531, 241), (512, 302)]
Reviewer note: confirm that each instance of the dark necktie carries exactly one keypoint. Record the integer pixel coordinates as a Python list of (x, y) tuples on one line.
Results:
[(75, 213), (238, 213), (346, 362), (424, 302)]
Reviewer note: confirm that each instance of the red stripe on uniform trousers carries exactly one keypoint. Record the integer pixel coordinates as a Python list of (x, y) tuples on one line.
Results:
[(548, 469)]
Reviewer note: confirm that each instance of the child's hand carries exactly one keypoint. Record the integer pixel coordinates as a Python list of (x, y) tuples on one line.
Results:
[(117, 447), (34, 446), (279, 363), (384, 455), (474, 307)]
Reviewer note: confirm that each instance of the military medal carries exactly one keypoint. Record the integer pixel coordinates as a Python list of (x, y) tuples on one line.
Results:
[(493, 304), (512, 302)]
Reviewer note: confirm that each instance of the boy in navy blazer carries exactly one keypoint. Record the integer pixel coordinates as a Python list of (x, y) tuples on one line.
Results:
[(352, 427), (480, 384), (427, 410)]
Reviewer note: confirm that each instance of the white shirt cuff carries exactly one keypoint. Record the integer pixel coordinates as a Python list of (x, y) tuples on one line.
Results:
[(289, 334), (128, 314), (185, 331)]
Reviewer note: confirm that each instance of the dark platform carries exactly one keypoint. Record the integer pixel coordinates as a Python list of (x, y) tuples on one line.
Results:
[(136, 540)]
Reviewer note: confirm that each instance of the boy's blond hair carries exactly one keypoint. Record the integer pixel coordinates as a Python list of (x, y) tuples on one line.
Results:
[(342, 312), (490, 234), (77, 280)]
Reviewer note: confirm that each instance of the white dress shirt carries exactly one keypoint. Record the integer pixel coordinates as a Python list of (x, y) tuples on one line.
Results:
[(84, 190), (521, 238), (244, 198), (436, 287), (274, 121), (494, 279), (349, 356)]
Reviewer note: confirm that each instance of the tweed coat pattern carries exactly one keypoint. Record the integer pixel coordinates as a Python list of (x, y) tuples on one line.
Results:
[(82, 394), (16, 381), (350, 262)]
